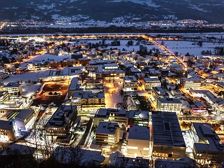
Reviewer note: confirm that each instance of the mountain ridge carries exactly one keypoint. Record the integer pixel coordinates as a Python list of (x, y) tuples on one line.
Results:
[(144, 10)]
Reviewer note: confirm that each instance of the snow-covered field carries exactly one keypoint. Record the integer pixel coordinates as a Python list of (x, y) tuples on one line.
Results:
[(210, 34), (29, 76), (49, 57), (184, 47), (123, 44)]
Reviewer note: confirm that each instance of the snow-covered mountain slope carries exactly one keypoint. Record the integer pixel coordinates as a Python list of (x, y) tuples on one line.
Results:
[(141, 2), (210, 10)]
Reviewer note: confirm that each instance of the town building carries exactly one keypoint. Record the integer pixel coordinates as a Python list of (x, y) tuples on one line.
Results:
[(138, 117), (6, 131), (111, 115), (88, 102), (74, 86), (117, 159), (107, 133), (206, 144), (167, 138), (138, 141), (169, 104), (192, 83), (13, 88), (130, 83), (181, 163), (151, 82), (61, 121)]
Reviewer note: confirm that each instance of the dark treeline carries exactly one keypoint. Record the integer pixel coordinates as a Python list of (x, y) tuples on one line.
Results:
[(112, 29)]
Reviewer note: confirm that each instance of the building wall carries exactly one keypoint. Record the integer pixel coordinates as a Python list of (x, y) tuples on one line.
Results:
[(138, 148), (193, 85), (149, 86), (168, 152), (110, 139), (8, 134), (170, 107)]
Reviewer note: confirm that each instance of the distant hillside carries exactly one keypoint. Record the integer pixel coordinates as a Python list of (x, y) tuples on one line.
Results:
[(210, 10)]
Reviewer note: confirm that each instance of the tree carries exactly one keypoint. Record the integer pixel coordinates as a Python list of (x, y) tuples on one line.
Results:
[(130, 43), (200, 43)]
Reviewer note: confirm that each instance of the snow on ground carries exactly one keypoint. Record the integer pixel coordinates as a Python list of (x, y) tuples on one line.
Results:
[(134, 47), (90, 156), (29, 76), (30, 89), (49, 57), (85, 157), (126, 48), (15, 148), (184, 47), (123, 44), (45, 58)]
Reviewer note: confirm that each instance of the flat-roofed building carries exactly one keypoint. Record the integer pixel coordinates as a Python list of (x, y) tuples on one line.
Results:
[(107, 133), (206, 144), (105, 69), (138, 141), (112, 115), (151, 82), (4, 96), (219, 86), (214, 101), (181, 163), (3, 75), (110, 74), (6, 131), (117, 159), (169, 104), (61, 121), (73, 87), (92, 84), (25, 115), (130, 83), (13, 88), (167, 138), (199, 108), (88, 102), (138, 117), (192, 83), (159, 92), (19, 119), (205, 94), (65, 74)]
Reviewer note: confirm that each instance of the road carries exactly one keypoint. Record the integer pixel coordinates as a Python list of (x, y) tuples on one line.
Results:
[(165, 50), (2, 25), (112, 93)]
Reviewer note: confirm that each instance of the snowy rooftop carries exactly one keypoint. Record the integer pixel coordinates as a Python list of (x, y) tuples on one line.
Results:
[(184, 162), (24, 114), (169, 100), (74, 84), (151, 79), (105, 112), (88, 95), (139, 133), (159, 91), (13, 84), (130, 79), (139, 114), (206, 132), (62, 116), (5, 125), (167, 129), (106, 128)]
